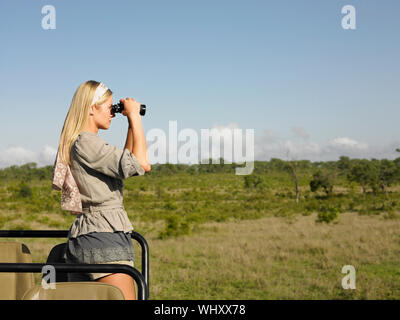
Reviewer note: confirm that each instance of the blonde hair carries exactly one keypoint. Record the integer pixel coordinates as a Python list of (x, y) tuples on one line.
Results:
[(77, 116)]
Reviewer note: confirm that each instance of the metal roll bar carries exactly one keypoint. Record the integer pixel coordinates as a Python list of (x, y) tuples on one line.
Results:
[(142, 279)]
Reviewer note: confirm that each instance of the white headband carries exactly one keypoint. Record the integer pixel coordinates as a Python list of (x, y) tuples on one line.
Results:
[(100, 90)]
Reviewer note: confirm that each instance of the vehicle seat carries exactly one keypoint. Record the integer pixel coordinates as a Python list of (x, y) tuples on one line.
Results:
[(14, 284), (75, 291)]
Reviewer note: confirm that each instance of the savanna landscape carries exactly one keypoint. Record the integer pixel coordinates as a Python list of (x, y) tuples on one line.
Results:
[(283, 232)]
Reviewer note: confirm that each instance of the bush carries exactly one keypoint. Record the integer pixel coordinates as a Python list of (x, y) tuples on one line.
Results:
[(175, 226), (24, 191), (328, 214), (351, 206), (253, 181), (170, 206), (322, 180), (392, 214), (312, 205)]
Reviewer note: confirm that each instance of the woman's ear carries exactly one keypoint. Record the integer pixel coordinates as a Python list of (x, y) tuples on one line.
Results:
[(91, 111)]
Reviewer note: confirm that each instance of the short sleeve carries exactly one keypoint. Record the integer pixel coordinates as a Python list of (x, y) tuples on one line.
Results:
[(130, 165), (98, 155)]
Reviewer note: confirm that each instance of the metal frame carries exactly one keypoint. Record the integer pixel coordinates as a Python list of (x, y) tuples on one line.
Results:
[(142, 279)]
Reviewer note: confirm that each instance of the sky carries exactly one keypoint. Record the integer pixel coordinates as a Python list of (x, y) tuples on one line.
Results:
[(288, 70)]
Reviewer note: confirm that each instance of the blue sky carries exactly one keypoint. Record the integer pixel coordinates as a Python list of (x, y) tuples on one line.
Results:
[(286, 69)]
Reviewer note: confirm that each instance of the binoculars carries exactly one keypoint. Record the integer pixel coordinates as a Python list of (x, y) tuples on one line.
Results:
[(118, 107)]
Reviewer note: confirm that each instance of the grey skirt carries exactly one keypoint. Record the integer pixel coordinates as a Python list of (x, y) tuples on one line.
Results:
[(98, 247)]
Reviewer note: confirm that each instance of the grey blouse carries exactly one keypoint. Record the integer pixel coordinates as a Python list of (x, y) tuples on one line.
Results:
[(98, 170)]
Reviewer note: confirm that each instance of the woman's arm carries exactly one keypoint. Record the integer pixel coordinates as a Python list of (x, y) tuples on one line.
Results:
[(93, 152), (136, 141), (129, 139)]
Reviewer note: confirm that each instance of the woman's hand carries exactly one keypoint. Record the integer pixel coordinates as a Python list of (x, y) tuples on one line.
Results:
[(135, 140), (131, 107)]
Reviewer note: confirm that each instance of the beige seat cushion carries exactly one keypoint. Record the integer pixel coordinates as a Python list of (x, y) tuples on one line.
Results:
[(75, 291), (14, 285)]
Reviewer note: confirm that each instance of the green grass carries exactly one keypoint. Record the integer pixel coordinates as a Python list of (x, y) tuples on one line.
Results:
[(271, 258), (216, 236)]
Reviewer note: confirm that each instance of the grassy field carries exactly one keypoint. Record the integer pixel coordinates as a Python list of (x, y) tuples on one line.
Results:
[(211, 237), (276, 258)]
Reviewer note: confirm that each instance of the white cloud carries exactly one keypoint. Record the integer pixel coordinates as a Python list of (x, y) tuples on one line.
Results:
[(344, 142), (47, 156), (19, 156), (301, 150), (339, 146)]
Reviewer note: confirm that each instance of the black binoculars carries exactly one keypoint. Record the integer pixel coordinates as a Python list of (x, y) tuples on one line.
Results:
[(118, 107)]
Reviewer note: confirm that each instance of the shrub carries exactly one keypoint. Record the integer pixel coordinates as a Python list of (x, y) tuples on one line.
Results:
[(322, 180), (253, 181), (175, 226), (170, 206), (351, 206), (392, 214), (24, 191), (327, 214), (311, 205)]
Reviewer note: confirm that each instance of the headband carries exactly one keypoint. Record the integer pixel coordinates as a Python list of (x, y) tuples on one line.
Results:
[(100, 91)]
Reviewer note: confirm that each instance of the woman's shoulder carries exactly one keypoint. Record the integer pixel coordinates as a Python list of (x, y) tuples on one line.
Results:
[(88, 137), (87, 142)]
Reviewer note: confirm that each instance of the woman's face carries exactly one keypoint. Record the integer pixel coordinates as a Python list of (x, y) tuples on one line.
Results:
[(103, 115)]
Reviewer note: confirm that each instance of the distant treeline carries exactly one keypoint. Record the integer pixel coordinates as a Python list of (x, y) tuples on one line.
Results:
[(360, 170), (184, 195)]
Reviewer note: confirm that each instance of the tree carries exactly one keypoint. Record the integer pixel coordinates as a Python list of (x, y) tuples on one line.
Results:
[(344, 165), (292, 167), (364, 173), (278, 164), (323, 179), (387, 174)]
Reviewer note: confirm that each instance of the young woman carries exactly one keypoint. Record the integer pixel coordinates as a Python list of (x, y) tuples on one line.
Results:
[(101, 232)]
